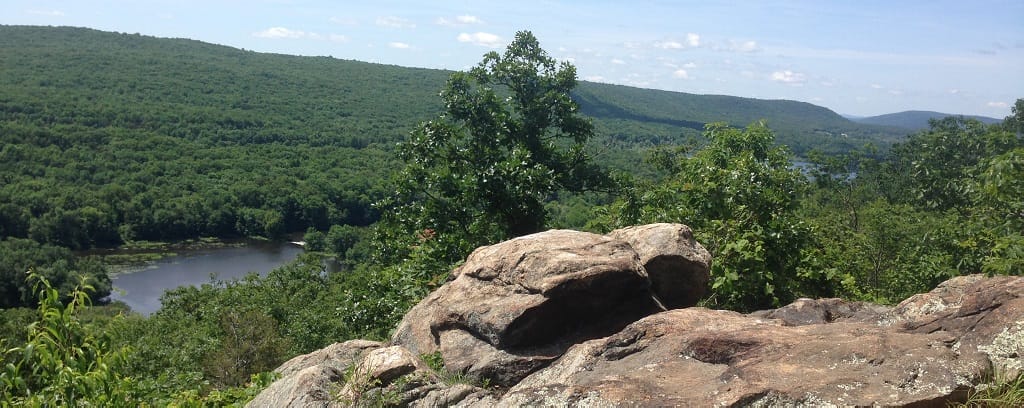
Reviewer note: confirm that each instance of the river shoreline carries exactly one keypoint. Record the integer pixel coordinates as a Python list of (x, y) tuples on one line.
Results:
[(140, 276), (136, 256)]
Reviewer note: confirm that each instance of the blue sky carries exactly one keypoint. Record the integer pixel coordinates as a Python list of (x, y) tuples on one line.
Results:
[(854, 57)]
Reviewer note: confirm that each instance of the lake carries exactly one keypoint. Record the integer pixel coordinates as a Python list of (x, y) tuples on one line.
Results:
[(141, 287)]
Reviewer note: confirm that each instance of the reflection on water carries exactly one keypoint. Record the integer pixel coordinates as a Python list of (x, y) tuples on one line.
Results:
[(141, 289)]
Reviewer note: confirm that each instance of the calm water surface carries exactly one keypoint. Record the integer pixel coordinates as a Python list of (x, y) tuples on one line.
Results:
[(142, 287)]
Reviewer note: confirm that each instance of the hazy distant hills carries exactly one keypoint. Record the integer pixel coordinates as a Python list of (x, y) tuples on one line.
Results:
[(187, 88), (914, 120), (800, 125)]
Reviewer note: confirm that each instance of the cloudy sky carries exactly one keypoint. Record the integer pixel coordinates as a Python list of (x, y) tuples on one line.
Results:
[(861, 57)]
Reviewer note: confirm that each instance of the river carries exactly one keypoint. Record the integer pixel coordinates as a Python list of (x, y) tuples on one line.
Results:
[(140, 287)]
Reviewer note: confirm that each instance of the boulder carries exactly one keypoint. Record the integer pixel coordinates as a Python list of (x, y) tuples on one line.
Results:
[(678, 266), (337, 355), (378, 369), (309, 387), (307, 380), (513, 307)]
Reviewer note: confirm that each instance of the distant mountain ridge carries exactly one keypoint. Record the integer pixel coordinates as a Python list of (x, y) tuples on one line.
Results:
[(280, 97), (915, 120)]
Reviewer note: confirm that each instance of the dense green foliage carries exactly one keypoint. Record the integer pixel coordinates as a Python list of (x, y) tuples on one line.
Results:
[(945, 203), (739, 194), (58, 265), (481, 172), (109, 138), (70, 357), (63, 363)]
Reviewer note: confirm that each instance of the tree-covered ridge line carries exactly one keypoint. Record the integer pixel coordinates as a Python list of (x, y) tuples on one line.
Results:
[(800, 125), (917, 120), (342, 97)]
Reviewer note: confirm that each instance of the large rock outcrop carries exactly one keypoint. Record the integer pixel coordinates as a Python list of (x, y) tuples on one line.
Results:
[(516, 306), (564, 318)]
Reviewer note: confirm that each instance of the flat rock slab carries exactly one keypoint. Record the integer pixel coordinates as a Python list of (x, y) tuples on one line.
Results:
[(701, 357)]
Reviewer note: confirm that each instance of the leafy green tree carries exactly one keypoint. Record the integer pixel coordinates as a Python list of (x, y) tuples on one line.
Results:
[(315, 240), (63, 362), (250, 344), (943, 162), (1001, 204), (510, 136), (349, 243), (739, 194), (1015, 122)]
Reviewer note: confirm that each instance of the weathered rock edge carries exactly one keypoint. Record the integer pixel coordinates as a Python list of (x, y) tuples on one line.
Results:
[(928, 350)]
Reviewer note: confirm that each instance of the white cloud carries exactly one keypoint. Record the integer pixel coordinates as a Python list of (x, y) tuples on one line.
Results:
[(281, 32), (681, 74), (636, 80), (289, 34), (997, 105), (49, 13), (669, 45), (689, 65), (399, 45), (693, 40), (876, 86), (954, 91), (896, 92), (395, 22), (743, 46), (481, 39), (789, 77), (618, 61), (459, 21), (595, 78)]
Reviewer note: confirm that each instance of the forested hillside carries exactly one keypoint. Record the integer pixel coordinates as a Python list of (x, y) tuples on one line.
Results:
[(113, 137)]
